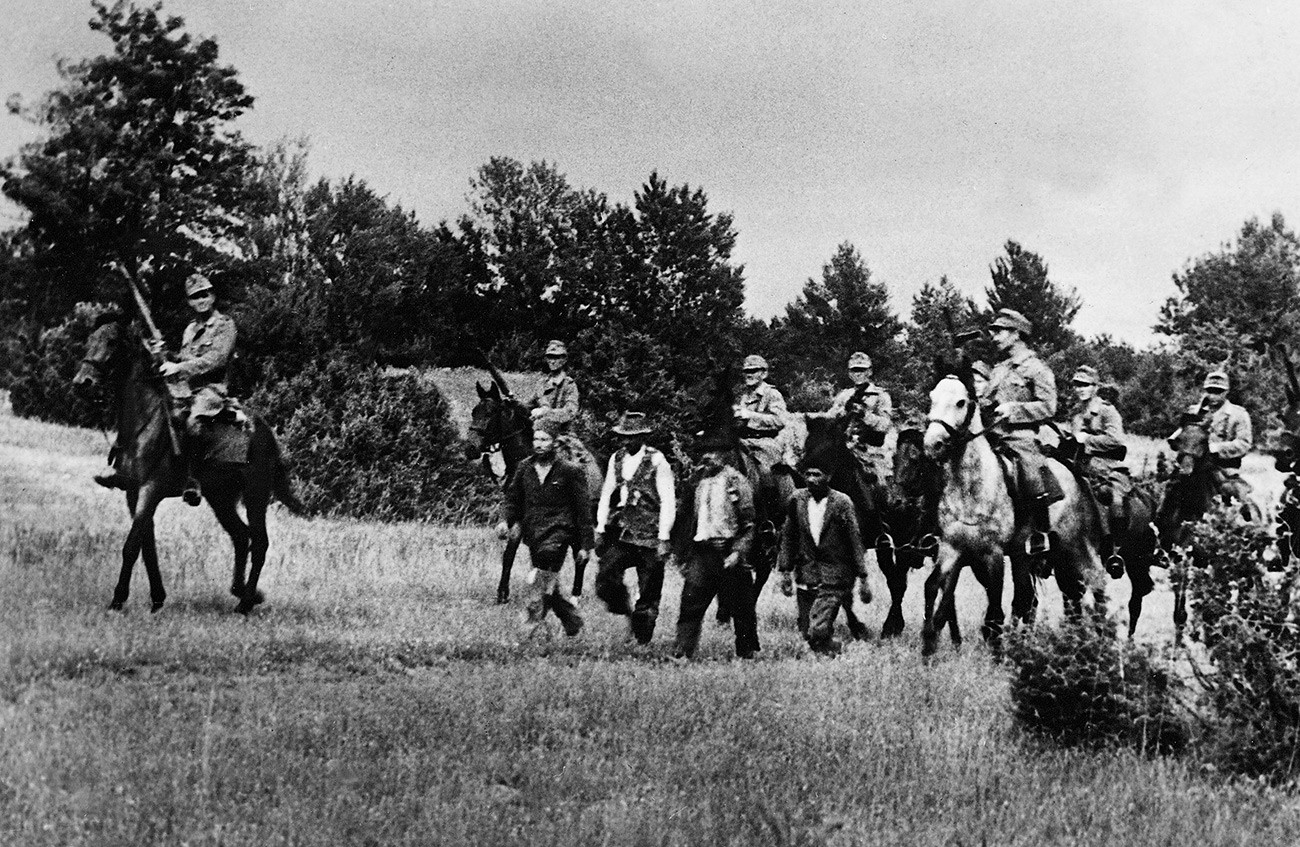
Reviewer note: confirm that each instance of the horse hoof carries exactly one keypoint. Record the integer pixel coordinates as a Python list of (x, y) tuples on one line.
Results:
[(116, 605), (258, 597), (503, 596), (155, 607), (236, 589), (245, 606)]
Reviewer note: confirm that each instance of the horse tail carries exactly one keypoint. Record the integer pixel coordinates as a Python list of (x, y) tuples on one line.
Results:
[(281, 478)]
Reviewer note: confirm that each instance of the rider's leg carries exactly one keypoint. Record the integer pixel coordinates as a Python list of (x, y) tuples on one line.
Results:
[(194, 435)]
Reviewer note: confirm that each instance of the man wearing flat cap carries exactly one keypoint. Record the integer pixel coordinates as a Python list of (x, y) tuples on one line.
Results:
[(821, 555), (712, 537), (1098, 429), (1022, 394), (866, 412), (196, 380), (761, 416), (634, 523)]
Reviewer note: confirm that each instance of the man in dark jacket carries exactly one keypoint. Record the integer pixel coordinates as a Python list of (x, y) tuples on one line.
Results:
[(712, 536), (821, 551), (546, 505)]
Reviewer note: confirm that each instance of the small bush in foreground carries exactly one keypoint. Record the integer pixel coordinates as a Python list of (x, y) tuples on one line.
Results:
[(1078, 685), (369, 445), (1245, 616)]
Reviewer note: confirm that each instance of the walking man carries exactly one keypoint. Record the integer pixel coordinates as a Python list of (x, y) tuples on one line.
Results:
[(546, 505), (714, 530), (634, 521), (822, 555)]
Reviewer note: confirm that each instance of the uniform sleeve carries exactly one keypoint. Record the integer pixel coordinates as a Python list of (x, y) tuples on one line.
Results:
[(221, 343), (744, 516), (580, 500), (838, 408), (606, 495), (1111, 436), (566, 403), (879, 416), (772, 419), (664, 487), (1239, 438), (785, 557), (1041, 387)]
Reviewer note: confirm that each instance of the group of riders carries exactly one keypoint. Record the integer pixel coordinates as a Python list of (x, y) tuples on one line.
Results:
[(641, 522)]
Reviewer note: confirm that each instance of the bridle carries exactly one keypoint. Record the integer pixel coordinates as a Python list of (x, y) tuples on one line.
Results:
[(960, 436)]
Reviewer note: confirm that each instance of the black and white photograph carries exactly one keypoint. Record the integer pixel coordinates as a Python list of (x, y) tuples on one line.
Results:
[(807, 424)]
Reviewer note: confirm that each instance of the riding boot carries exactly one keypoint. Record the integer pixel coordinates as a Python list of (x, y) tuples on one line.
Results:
[(1112, 515), (108, 475), (189, 452), (1038, 542)]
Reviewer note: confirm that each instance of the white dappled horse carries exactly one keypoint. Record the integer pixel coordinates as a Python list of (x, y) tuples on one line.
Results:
[(977, 522)]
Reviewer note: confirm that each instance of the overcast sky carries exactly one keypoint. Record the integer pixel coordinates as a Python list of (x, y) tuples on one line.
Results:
[(1116, 139)]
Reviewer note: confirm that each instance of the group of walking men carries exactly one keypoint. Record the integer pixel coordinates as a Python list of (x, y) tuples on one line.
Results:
[(641, 523)]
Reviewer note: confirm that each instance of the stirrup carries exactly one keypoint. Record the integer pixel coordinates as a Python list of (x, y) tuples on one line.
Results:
[(885, 540), (191, 494), (1115, 565), (1037, 543)]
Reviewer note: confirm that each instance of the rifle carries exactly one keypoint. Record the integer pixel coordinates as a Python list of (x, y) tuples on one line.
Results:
[(497, 376), (147, 316)]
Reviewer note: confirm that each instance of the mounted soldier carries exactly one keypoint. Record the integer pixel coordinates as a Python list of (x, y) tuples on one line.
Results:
[(865, 411), (556, 401), (1230, 436), (196, 380), (760, 415), (1022, 395), (1098, 430)]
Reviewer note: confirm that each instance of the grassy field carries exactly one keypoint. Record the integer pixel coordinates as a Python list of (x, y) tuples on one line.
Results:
[(380, 698)]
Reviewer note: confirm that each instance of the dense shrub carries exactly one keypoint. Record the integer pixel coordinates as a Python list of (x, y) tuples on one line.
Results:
[(40, 382), (367, 444), (1078, 685), (1245, 615)]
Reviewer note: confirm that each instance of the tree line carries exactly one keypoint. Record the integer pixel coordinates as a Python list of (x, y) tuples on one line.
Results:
[(140, 169)]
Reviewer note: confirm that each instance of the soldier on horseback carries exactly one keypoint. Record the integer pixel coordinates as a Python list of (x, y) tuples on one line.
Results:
[(761, 416), (1230, 438), (1098, 429), (196, 380), (556, 402), (1022, 393), (866, 412)]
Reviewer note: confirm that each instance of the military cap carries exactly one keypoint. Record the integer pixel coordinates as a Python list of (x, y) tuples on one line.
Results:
[(859, 360), (754, 363), (633, 423), (1011, 319), (196, 283), (556, 348), (1216, 380), (1086, 375), (981, 367)]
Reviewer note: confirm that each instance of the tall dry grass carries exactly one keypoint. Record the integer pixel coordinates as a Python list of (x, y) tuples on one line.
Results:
[(380, 698)]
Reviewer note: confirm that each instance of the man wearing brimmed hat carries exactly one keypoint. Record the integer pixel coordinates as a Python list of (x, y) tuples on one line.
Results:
[(866, 411), (1022, 394), (712, 537), (761, 415), (1099, 431), (634, 522), (546, 505), (196, 380), (821, 552)]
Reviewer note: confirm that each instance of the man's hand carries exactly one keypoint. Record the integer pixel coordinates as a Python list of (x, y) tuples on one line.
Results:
[(664, 550), (743, 414), (581, 557), (537, 413), (515, 532), (787, 584), (864, 590), (154, 346), (1003, 411), (732, 560), (169, 369)]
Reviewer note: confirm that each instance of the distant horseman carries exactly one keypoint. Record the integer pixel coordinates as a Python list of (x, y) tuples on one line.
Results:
[(866, 411), (1098, 429), (760, 415)]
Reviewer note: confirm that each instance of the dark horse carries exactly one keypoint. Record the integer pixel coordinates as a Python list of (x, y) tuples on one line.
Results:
[(115, 359), (500, 421), (896, 516), (1286, 458)]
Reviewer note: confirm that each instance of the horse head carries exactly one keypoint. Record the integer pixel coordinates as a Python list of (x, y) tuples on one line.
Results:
[(954, 415), (494, 420), (104, 348), (1190, 486), (913, 470)]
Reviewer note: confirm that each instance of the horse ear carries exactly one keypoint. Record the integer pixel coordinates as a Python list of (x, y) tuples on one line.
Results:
[(482, 392)]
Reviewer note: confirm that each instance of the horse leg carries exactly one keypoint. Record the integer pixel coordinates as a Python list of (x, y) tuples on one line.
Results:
[(507, 564), (143, 503), (227, 515), (939, 602), (992, 573), (896, 579), (258, 543), (1024, 594)]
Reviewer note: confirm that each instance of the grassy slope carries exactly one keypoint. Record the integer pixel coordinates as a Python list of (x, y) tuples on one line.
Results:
[(378, 697)]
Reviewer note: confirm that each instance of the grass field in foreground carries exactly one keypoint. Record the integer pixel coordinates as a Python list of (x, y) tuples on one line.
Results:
[(379, 698)]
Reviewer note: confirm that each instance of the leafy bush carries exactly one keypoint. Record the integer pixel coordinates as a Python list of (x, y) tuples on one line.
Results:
[(367, 444), (1078, 685), (40, 382), (1245, 615)]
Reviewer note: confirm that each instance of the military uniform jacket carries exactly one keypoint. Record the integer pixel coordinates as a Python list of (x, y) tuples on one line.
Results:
[(558, 395), (1100, 430), (553, 513), (768, 406), (1230, 434), (833, 561), (872, 413), (1027, 385), (206, 348)]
